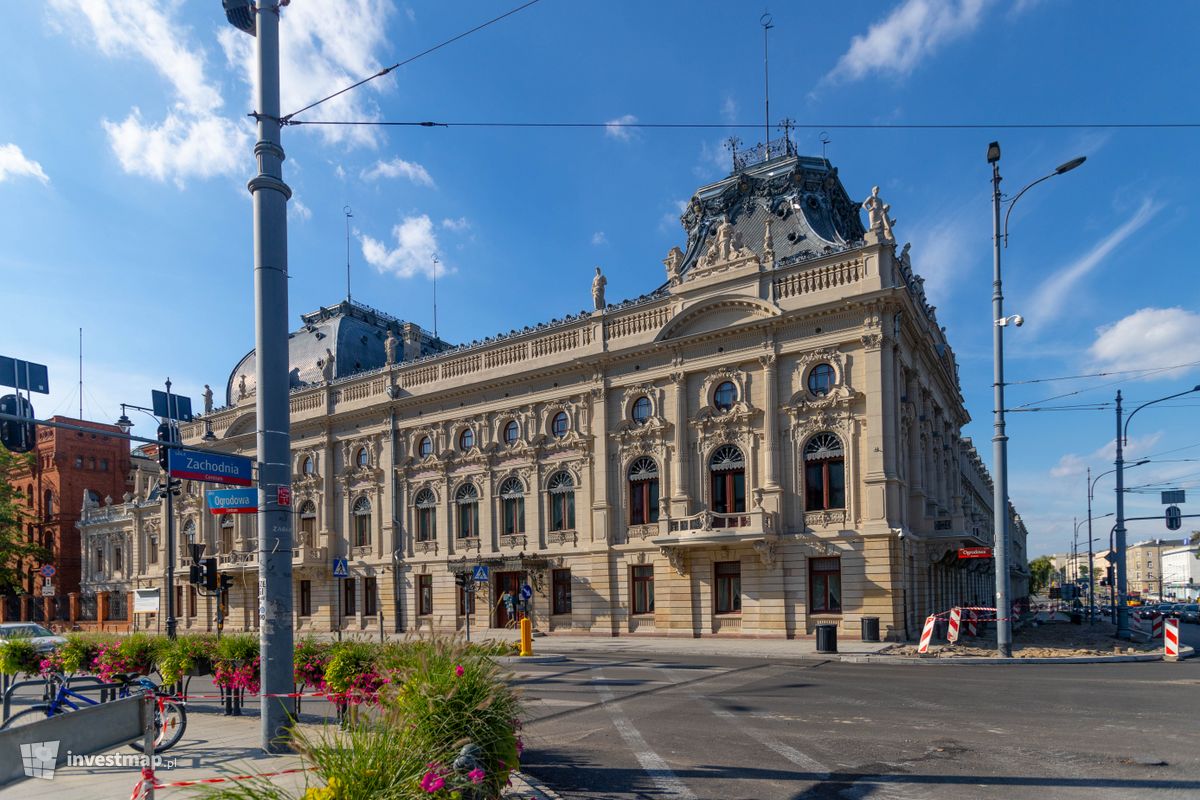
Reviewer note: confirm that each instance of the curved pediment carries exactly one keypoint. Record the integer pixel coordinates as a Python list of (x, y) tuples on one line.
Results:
[(716, 314), (243, 424)]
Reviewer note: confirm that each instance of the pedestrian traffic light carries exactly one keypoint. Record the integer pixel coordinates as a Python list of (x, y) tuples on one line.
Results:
[(210, 574), (462, 579), (166, 433), (196, 574), (18, 437)]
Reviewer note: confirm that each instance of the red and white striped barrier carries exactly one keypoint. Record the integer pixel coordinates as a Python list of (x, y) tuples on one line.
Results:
[(1171, 639), (1156, 627), (955, 622), (972, 626), (926, 634)]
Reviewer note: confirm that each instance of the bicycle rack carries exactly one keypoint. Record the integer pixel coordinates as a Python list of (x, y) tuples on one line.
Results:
[(108, 691)]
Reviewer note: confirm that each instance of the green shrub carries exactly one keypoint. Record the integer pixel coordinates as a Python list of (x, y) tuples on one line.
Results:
[(18, 655), (80, 652), (184, 654)]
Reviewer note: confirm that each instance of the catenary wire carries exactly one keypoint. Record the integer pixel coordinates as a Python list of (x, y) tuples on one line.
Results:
[(287, 120), (746, 125), (1101, 374)]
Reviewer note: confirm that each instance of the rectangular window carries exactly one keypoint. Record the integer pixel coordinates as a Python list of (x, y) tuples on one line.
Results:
[(306, 598), (78, 462), (370, 589), (424, 595), (152, 551), (728, 587), (104, 465), (514, 515), (349, 595), (99, 559), (117, 560), (178, 609), (561, 582), (562, 511), (191, 601), (466, 599), (825, 578), (641, 578), (426, 526)]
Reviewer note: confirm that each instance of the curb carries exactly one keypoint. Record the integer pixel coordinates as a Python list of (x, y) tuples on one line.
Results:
[(547, 659), (1184, 652), (525, 784)]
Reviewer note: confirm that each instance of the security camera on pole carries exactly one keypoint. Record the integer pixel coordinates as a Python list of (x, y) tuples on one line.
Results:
[(270, 195)]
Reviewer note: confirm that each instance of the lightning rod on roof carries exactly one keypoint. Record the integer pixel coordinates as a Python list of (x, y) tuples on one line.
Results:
[(349, 213)]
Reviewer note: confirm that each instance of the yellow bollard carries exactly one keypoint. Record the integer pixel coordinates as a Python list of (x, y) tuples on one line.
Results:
[(526, 637)]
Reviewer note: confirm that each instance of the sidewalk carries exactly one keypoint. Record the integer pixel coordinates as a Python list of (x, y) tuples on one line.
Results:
[(560, 644)]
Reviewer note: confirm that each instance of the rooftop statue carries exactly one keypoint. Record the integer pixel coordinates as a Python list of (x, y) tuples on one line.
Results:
[(390, 345), (208, 395), (673, 262), (879, 226), (598, 284)]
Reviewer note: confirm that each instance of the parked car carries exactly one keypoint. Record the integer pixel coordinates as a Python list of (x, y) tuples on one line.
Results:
[(1175, 610), (1191, 613), (44, 640)]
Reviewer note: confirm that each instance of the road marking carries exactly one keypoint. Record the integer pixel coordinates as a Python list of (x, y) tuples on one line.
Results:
[(652, 763)]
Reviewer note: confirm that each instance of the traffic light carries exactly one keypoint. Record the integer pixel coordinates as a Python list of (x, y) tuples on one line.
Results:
[(210, 574), (462, 580), (196, 574), (18, 437), (166, 433)]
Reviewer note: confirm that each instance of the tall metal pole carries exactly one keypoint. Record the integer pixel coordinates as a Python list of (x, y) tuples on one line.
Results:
[(1122, 606), (999, 439), (1091, 563), (270, 196), (765, 20), (171, 436)]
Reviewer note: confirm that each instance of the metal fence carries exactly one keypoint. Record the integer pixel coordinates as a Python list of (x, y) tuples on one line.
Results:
[(87, 607)]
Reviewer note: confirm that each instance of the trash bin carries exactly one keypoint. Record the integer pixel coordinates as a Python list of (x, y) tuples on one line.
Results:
[(870, 629), (827, 638)]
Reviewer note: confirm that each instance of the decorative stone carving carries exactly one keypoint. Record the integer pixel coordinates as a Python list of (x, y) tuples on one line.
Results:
[(513, 540), (390, 346), (562, 537), (598, 284), (675, 557), (872, 341), (879, 226), (766, 552), (726, 247), (327, 365), (824, 519), (673, 262), (241, 387), (429, 546)]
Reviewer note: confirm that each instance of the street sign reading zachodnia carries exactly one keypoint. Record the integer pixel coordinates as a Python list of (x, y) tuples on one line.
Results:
[(212, 467)]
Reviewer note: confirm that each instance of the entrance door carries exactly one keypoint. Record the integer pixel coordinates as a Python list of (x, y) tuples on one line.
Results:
[(510, 581)]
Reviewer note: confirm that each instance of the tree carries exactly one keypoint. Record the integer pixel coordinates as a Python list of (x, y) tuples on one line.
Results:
[(15, 545), (1040, 571)]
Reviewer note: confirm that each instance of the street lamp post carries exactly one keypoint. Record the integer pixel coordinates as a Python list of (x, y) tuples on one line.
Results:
[(1091, 488), (999, 439), (1123, 631)]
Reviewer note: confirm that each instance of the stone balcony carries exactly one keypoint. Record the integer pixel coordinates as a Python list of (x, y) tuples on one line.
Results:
[(712, 527), (308, 556)]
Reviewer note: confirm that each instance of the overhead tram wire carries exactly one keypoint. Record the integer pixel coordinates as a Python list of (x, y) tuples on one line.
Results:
[(1103, 374), (735, 125), (287, 119)]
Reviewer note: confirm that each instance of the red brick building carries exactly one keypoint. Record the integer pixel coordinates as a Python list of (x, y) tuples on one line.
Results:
[(66, 465)]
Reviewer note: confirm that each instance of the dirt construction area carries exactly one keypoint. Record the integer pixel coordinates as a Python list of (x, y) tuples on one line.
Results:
[(1041, 639)]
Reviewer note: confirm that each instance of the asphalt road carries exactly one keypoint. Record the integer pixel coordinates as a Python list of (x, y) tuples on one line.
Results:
[(723, 729)]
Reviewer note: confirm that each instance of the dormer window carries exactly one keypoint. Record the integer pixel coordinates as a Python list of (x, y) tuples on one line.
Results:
[(820, 380), (466, 439), (362, 458), (725, 396), (426, 447)]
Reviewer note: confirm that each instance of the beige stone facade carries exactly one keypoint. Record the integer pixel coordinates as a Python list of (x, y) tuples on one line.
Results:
[(769, 440)]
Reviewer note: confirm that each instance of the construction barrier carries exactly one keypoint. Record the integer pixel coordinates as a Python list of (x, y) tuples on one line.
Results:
[(1171, 639), (955, 623), (146, 787), (1156, 627), (927, 633), (972, 626)]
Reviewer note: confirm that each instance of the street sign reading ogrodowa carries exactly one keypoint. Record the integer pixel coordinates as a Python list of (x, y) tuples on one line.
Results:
[(212, 467), (232, 501), (975, 552)]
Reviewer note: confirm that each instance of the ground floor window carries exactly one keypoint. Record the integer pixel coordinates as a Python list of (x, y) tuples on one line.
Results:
[(825, 578), (370, 599), (561, 582), (424, 595), (348, 597), (641, 578), (191, 601), (728, 587), (306, 598), (178, 609)]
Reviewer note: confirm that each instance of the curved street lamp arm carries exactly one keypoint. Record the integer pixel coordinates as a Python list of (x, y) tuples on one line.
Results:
[(1092, 487), (1017, 197), (1125, 430)]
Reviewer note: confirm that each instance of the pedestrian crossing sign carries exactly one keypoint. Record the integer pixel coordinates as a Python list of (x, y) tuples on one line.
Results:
[(480, 574), (341, 569)]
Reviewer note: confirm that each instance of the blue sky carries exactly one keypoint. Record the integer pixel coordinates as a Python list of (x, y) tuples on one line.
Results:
[(124, 152)]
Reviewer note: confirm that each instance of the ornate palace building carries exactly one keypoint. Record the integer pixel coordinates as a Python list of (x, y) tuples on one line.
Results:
[(768, 440)]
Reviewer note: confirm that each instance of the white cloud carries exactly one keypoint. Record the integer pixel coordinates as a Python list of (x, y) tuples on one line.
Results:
[(416, 245), (914, 30), (617, 130), (13, 163), (320, 53), (1148, 338), (339, 172), (180, 147), (399, 168), (670, 219), (598, 238), (937, 254), (1054, 291), (457, 225), (302, 211), (1073, 464), (729, 109)]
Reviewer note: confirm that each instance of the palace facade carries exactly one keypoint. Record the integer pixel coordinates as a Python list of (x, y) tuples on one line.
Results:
[(769, 440)]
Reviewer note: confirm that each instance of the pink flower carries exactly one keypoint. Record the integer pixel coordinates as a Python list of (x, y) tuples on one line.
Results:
[(458, 670), (520, 746), (432, 782), (476, 775)]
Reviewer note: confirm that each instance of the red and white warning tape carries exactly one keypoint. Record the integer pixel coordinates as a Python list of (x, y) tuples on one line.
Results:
[(149, 782)]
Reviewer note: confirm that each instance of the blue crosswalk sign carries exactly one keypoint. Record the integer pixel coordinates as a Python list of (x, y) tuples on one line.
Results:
[(480, 573), (341, 569)]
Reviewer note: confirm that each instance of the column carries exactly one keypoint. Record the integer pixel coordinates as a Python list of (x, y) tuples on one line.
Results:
[(770, 364), (600, 496), (679, 495)]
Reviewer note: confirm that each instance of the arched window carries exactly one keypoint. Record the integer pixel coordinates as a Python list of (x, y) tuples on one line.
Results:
[(362, 458), (426, 447), (820, 379), (308, 523), (641, 410), (48, 504), (512, 497), (562, 502), (189, 531), (824, 473), (467, 500), (727, 470), (643, 491), (309, 466), (559, 425), (466, 439), (361, 522), (512, 431), (725, 396), (426, 505), (227, 534)]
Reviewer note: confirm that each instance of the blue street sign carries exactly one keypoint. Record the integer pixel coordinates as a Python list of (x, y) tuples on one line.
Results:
[(341, 568), (480, 574), (232, 501), (211, 467), (526, 591)]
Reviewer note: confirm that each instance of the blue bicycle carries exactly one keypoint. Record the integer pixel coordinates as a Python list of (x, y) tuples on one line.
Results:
[(170, 716)]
